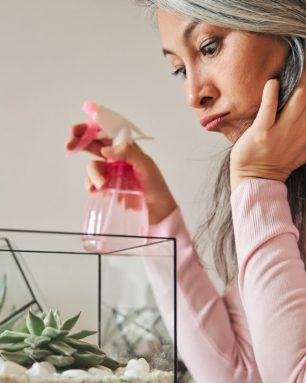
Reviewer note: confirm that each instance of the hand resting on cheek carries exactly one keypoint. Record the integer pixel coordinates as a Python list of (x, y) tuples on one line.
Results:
[(275, 145)]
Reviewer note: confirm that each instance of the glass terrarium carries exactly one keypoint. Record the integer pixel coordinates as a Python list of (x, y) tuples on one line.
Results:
[(118, 292)]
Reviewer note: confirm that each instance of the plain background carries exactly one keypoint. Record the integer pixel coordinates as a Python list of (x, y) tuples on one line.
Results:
[(56, 54)]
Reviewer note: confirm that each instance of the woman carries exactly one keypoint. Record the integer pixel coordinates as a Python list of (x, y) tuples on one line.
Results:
[(244, 76)]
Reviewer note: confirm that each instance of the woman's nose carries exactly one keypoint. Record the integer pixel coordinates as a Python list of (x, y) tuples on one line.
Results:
[(199, 92)]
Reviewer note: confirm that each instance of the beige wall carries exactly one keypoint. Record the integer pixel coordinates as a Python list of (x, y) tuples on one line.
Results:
[(54, 55)]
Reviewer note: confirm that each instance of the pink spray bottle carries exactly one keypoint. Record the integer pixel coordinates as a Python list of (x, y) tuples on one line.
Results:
[(119, 207)]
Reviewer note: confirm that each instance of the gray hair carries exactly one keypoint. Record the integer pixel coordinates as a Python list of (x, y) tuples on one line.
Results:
[(286, 19)]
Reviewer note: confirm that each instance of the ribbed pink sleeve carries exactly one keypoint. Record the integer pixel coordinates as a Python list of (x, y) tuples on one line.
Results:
[(272, 279), (213, 338)]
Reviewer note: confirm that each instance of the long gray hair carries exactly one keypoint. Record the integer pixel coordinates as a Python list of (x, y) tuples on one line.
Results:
[(286, 19)]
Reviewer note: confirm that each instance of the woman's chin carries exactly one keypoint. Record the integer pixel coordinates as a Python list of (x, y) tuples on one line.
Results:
[(233, 133)]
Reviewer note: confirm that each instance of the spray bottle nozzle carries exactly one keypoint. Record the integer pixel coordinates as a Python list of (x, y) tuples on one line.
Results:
[(105, 123)]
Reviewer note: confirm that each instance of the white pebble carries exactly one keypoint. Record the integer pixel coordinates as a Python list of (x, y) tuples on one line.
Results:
[(144, 364), (137, 368), (135, 374), (49, 367), (104, 371), (74, 373), (120, 371), (138, 364), (41, 369), (104, 368), (12, 368)]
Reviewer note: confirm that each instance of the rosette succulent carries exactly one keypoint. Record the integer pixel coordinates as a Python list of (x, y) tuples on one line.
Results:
[(47, 338)]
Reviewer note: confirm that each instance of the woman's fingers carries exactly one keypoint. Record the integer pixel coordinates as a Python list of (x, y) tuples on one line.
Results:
[(89, 186), (159, 200), (273, 147), (94, 147), (119, 152), (125, 152), (76, 133), (295, 106), (95, 171), (266, 115)]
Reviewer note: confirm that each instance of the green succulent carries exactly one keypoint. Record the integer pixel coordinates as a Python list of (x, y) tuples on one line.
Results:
[(47, 338)]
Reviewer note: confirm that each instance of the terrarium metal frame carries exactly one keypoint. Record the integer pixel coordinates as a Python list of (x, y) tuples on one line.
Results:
[(178, 375)]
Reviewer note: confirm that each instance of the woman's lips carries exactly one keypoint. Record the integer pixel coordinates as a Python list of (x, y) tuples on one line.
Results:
[(211, 123)]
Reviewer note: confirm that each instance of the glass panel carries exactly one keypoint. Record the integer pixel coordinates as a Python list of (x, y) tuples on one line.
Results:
[(132, 326), (15, 290), (117, 292)]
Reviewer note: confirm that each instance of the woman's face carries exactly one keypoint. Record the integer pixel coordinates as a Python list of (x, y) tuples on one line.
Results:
[(224, 70)]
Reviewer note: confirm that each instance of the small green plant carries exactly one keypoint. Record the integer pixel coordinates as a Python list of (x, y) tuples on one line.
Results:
[(47, 338)]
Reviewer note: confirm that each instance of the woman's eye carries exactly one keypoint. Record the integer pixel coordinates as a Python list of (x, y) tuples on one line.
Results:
[(210, 49), (180, 72)]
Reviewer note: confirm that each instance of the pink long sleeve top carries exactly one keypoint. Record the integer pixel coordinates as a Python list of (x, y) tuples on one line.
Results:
[(256, 331)]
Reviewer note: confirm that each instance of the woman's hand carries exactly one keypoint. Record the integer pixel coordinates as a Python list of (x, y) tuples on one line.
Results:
[(158, 197), (274, 145)]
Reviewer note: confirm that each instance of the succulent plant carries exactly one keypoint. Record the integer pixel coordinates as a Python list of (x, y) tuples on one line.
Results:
[(47, 338)]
